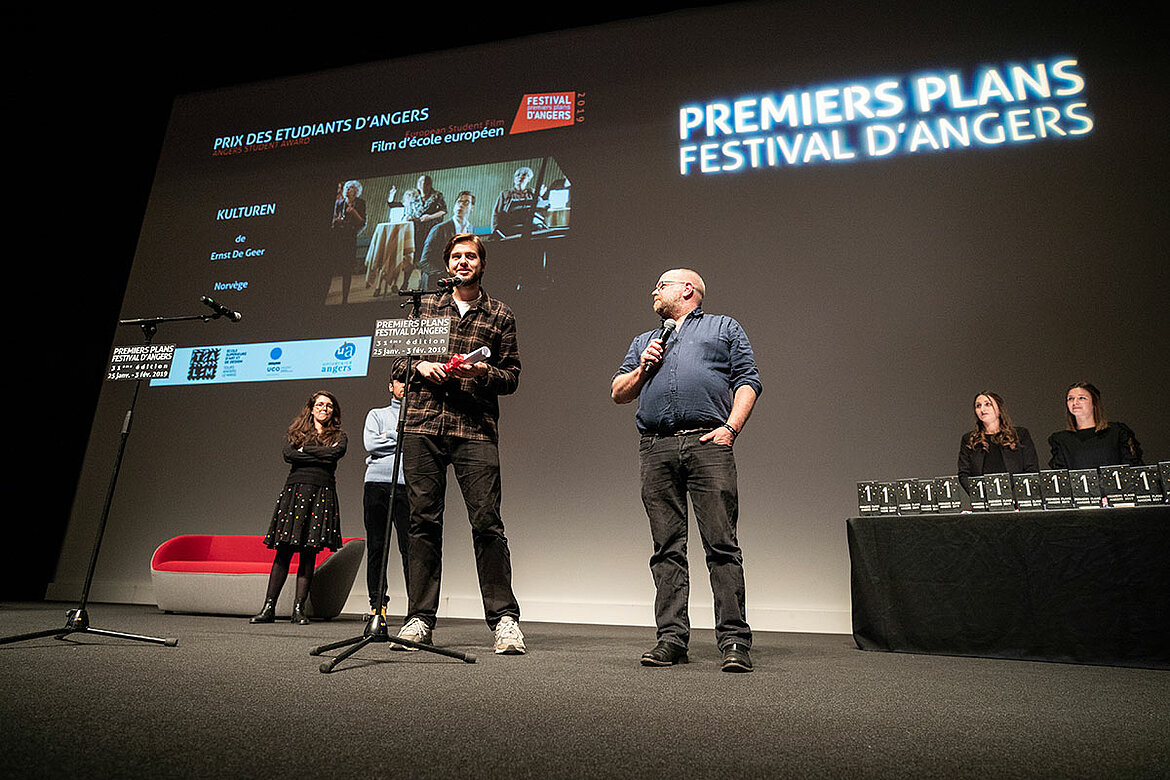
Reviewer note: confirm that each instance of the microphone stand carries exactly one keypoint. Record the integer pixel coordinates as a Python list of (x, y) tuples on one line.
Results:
[(377, 630), (77, 619)]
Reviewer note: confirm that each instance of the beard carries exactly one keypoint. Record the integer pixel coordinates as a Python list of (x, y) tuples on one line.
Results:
[(473, 279), (664, 309)]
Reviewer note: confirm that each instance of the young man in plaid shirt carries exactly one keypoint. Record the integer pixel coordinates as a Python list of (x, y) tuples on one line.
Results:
[(451, 420)]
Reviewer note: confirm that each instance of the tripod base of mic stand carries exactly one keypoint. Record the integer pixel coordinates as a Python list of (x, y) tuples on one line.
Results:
[(376, 631), (77, 622)]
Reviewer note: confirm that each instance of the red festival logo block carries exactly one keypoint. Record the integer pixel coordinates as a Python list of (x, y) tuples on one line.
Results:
[(543, 111)]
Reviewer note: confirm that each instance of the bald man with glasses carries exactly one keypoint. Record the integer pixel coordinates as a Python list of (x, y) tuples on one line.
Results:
[(695, 390)]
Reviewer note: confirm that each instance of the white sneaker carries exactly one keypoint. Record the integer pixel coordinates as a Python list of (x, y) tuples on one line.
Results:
[(509, 639), (416, 631)]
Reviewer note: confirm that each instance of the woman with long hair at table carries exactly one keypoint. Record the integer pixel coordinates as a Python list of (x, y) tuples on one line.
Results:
[(1090, 440), (307, 517), (428, 210), (995, 445)]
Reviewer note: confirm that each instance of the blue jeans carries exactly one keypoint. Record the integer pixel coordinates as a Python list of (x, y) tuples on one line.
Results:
[(425, 459), (673, 467)]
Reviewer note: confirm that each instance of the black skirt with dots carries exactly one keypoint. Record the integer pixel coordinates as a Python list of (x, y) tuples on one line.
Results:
[(306, 516)]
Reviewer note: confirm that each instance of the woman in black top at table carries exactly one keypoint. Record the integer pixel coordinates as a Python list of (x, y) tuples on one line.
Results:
[(307, 517), (1091, 440), (995, 446)]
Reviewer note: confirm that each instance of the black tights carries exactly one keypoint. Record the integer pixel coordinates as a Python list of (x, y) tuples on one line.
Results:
[(280, 566)]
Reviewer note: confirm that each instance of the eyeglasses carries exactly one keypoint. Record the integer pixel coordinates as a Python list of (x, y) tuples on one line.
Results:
[(322, 405), (658, 287)]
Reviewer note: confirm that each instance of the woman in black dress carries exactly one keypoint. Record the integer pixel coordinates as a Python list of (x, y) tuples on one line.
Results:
[(995, 446), (307, 517), (349, 219), (1091, 440)]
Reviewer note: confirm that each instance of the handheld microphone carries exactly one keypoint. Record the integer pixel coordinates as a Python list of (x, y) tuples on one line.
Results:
[(667, 328), (221, 310)]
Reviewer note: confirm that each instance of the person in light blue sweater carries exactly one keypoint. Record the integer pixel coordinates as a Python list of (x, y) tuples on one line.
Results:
[(380, 437)]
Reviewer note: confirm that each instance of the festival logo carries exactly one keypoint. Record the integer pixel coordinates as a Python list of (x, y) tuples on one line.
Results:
[(547, 110)]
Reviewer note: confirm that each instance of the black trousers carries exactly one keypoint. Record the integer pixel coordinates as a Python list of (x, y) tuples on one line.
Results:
[(376, 503), (425, 459), (674, 467)]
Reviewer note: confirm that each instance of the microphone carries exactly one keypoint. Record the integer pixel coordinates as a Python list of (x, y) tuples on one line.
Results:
[(221, 310), (449, 283), (668, 327)]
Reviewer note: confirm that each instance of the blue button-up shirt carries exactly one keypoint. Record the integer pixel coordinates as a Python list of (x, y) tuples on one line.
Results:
[(708, 358)]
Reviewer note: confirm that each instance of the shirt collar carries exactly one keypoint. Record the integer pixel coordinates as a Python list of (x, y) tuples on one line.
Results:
[(448, 299), (694, 313)]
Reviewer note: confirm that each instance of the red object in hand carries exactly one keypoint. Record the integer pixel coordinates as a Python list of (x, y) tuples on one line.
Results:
[(475, 356)]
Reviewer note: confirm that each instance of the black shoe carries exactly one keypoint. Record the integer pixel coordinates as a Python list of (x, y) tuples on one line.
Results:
[(665, 654), (267, 613), (736, 658), (298, 616)]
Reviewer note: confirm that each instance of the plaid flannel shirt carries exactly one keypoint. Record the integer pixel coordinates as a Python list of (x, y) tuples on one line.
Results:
[(465, 408)]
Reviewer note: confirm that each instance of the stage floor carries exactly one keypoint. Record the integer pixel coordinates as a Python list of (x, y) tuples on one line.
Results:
[(236, 700)]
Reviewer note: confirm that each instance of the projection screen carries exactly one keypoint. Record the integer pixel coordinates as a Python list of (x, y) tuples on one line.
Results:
[(903, 204)]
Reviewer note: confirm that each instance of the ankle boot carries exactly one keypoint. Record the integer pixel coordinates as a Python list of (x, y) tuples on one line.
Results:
[(267, 612), (298, 616)]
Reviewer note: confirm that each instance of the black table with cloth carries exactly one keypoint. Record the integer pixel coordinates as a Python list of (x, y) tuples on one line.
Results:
[(1079, 586)]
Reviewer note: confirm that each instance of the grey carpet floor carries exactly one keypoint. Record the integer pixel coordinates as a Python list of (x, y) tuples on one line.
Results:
[(235, 700)]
